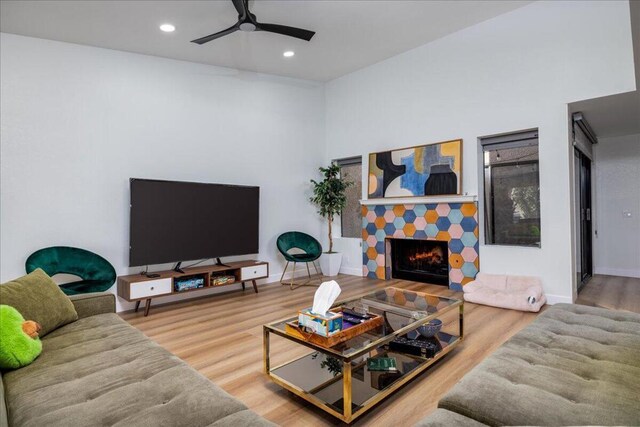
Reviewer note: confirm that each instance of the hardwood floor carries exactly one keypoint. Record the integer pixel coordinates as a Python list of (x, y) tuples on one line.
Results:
[(612, 292), (221, 337)]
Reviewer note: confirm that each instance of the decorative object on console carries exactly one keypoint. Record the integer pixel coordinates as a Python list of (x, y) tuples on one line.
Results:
[(522, 293), (426, 170), (330, 198), (311, 251), (96, 273), (222, 280), (189, 282)]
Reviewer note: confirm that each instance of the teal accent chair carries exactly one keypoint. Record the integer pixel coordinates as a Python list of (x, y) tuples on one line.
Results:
[(96, 273), (311, 251)]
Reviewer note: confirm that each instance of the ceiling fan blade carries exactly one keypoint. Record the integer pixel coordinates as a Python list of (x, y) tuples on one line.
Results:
[(242, 7), (298, 33), (217, 35)]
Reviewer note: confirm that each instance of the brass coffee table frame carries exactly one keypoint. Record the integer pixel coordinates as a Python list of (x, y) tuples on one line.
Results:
[(348, 415)]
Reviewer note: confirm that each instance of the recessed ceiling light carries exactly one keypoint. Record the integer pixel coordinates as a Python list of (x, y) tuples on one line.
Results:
[(288, 54), (167, 28)]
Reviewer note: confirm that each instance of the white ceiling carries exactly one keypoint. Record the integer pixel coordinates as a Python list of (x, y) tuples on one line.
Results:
[(613, 115), (349, 34), (618, 114)]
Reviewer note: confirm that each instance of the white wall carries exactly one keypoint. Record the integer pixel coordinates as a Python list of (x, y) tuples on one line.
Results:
[(78, 122), (617, 174), (516, 71)]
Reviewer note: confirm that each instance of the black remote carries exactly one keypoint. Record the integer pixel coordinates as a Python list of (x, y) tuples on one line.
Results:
[(352, 316)]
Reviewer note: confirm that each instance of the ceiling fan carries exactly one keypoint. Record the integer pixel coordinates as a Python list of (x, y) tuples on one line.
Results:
[(247, 22)]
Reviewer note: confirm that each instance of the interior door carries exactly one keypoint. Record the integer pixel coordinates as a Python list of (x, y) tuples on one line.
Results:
[(585, 238)]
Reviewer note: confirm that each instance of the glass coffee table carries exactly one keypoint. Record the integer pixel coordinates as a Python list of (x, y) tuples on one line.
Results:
[(337, 379)]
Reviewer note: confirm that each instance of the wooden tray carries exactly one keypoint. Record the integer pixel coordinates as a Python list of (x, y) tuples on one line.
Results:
[(293, 329)]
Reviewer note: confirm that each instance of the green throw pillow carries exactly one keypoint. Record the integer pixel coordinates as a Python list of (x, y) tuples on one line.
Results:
[(17, 349), (37, 297)]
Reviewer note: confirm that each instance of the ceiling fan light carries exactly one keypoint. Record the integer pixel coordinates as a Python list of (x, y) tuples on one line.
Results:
[(288, 54), (167, 28)]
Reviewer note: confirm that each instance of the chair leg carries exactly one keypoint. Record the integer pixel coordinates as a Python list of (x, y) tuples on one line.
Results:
[(309, 281), (291, 283), (315, 268), (284, 271), (293, 275)]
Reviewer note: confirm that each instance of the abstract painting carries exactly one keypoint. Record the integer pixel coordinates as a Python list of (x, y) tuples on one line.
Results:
[(426, 170)]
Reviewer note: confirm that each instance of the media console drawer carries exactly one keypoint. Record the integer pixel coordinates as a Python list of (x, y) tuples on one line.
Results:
[(254, 272), (150, 288)]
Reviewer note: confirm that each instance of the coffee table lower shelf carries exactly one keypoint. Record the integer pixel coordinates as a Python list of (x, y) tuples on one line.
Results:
[(347, 389)]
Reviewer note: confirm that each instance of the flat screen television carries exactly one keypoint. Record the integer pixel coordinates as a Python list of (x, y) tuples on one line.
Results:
[(172, 221)]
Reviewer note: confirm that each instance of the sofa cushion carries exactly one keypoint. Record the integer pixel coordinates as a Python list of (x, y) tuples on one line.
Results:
[(574, 365), (37, 297), (100, 371), (443, 418)]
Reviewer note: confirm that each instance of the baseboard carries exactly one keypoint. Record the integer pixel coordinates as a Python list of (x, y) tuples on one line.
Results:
[(352, 271), (557, 299), (624, 272)]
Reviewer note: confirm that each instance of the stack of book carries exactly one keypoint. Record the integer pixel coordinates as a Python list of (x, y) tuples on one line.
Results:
[(222, 280)]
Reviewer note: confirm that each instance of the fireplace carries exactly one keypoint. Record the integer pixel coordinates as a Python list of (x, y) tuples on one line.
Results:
[(420, 260)]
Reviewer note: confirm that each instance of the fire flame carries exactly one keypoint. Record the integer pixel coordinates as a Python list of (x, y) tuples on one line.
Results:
[(434, 256)]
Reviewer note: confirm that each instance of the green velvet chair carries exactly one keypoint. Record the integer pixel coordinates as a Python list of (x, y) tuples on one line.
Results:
[(96, 273), (311, 251)]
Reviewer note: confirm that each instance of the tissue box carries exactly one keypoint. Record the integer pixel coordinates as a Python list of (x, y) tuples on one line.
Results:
[(323, 325)]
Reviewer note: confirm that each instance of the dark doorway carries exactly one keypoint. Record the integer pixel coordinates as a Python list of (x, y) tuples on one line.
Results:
[(584, 211)]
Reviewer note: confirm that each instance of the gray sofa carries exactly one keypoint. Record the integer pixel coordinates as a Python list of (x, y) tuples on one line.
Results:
[(574, 365), (100, 371)]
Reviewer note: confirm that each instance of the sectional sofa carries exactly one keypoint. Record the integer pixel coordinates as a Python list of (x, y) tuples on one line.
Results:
[(573, 365), (100, 371)]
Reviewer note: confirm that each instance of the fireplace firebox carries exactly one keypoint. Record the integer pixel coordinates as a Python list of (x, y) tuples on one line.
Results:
[(420, 260)]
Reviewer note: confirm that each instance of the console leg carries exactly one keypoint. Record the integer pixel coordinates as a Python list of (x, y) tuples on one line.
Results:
[(243, 287), (255, 286), (147, 306), (137, 306)]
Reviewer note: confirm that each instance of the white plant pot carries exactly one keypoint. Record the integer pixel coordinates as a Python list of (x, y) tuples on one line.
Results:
[(330, 263)]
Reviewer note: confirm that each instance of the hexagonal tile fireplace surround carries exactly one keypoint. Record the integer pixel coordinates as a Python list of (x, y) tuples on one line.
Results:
[(454, 223)]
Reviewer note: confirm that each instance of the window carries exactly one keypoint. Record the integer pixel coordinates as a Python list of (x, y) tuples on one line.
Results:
[(511, 189), (351, 216)]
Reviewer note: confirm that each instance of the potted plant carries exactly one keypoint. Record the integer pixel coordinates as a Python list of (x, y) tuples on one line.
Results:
[(330, 198)]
